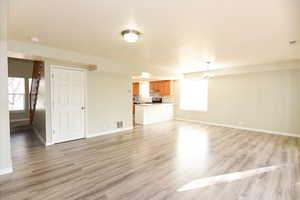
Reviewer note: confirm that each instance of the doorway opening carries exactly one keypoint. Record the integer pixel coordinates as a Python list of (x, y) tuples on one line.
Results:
[(24, 77)]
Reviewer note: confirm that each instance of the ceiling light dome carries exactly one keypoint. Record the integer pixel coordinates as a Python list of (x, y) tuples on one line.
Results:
[(130, 36)]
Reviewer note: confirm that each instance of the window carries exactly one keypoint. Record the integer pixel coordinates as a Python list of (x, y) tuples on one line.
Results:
[(145, 89), (16, 94), (193, 94)]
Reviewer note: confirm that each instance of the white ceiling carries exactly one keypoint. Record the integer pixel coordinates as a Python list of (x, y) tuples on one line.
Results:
[(176, 34)]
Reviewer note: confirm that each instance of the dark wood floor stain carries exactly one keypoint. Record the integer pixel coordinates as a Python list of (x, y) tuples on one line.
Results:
[(170, 160)]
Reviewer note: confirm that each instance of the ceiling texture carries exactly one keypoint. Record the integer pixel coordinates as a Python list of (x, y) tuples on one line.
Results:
[(177, 35)]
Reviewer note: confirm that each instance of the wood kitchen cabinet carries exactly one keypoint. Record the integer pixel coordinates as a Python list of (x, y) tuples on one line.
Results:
[(154, 86), (165, 88), (135, 89)]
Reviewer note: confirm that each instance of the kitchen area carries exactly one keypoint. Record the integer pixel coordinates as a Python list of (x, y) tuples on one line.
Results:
[(153, 101)]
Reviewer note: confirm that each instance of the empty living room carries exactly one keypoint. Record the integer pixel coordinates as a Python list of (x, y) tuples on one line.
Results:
[(150, 100)]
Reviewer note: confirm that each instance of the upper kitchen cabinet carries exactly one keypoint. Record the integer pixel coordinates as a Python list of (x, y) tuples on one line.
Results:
[(154, 86), (135, 89), (165, 88)]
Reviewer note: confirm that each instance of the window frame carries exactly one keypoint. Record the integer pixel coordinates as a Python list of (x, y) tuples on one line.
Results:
[(21, 111)]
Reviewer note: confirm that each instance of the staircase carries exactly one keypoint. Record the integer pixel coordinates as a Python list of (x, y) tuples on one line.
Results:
[(34, 90)]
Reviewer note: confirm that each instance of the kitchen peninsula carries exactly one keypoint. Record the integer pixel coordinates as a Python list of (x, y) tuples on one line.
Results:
[(153, 113)]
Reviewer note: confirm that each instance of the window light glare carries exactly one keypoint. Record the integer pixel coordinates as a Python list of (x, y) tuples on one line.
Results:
[(194, 94), (16, 94), (145, 89)]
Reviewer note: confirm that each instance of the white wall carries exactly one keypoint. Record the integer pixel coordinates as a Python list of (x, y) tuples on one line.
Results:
[(109, 100), (5, 152), (261, 100)]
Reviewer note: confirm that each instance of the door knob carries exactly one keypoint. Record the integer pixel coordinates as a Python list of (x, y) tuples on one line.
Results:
[(82, 108)]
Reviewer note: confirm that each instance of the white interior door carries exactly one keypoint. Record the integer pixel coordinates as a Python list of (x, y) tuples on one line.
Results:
[(68, 98)]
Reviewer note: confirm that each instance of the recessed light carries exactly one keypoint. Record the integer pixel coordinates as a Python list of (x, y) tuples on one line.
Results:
[(130, 36), (292, 42), (35, 39)]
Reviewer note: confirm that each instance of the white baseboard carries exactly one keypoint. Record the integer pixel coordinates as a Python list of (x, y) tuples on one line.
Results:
[(38, 134), (242, 128), (6, 171), (109, 132)]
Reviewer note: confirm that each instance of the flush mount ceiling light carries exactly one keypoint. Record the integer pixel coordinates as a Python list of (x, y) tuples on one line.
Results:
[(130, 36)]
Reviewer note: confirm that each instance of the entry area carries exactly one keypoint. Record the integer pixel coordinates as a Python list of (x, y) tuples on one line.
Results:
[(26, 110), (46, 101)]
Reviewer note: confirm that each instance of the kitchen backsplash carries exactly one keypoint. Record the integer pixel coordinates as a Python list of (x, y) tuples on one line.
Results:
[(168, 99), (146, 99), (165, 99)]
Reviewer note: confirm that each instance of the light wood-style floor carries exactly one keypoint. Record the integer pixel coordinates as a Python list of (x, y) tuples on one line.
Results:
[(170, 160)]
